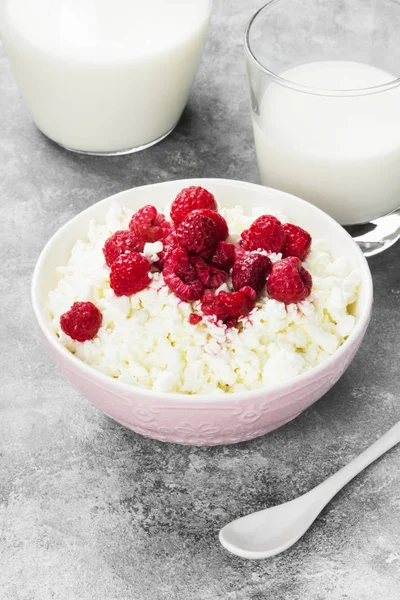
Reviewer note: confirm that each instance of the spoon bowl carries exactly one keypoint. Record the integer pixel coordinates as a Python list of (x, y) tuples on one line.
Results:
[(271, 531), (377, 236)]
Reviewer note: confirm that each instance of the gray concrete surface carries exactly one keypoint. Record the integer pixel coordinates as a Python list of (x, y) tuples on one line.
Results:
[(92, 511)]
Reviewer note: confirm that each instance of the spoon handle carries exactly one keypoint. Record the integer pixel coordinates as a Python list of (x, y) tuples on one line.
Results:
[(330, 487)]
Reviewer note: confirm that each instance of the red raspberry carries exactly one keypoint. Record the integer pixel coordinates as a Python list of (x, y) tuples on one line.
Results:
[(250, 269), (149, 224), (265, 233), (170, 243), (298, 242), (210, 276), (181, 276), (198, 233), (224, 256), (220, 223), (195, 319), (189, 199), (217, 277), (289, 282), (130, 273), (121, 242), (229, 307), (82, 321)]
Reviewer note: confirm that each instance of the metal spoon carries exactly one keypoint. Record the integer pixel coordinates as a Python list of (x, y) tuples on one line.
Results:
[(268, 532), (377, 236)]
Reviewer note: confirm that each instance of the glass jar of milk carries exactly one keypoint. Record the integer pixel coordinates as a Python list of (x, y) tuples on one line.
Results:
[(105, 76), (325, 92)]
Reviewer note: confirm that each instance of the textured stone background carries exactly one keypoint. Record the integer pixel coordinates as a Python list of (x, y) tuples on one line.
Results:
[(91, 511)]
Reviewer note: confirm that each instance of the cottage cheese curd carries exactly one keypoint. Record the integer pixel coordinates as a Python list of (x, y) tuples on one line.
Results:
[(146, 339)]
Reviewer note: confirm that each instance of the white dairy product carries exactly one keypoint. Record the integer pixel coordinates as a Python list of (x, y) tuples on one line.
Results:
[(146, 340), (341, 153), (102, 75), (151, 251)]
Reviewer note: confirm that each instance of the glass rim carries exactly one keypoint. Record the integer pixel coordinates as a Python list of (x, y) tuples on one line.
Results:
[(298, 86)]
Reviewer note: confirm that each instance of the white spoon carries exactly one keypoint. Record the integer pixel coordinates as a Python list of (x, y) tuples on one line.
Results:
[(273, 530)]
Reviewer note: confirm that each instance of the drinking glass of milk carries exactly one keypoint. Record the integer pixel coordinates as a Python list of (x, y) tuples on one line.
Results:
[(325, 95), (105, 76)]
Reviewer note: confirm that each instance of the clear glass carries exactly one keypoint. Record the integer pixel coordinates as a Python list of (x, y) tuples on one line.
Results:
[(325, 96), (105, 77)]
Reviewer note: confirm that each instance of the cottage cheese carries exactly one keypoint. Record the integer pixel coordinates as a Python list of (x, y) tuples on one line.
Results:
[(146, 340)]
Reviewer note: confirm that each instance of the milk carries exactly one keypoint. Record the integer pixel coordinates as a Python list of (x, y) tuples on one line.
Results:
[(105, 76), (340, 153)]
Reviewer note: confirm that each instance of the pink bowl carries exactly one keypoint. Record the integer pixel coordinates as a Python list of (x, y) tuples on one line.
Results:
[(203, 419)]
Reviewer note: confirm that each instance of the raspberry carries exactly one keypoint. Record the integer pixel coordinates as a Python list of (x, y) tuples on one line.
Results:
[(228, 307), (170, 243), (217, 277), (82, 321), (130, 273), (189, 199), (210, 276), (220, 223), (149, 224), (144, 215), (198, 233), (194, 319), (250, 269), (265, 233), (298, 242), (289, 282), (181, 276), (121, 242), (224, 256)]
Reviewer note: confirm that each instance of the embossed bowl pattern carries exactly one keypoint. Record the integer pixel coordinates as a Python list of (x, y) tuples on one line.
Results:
[(203, 419)]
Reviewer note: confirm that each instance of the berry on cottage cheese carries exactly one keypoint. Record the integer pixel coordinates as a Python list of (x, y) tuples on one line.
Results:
[(221, 225), (82, 322), (149, 224), (265, 233), (187, 322), (210, 276), (228, 307), (181, 276), (189, 199), (297, 241), (224, 256), (289, 282), (250, 268), (129, 274), (121, 242), (200, 232)]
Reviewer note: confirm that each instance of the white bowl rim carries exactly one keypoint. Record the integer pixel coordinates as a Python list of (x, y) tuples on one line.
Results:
[(104, 380)]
